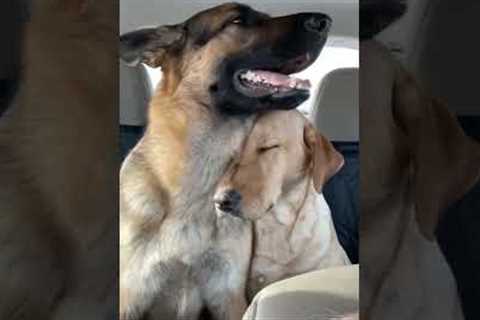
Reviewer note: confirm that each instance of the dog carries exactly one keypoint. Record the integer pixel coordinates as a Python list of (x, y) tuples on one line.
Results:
[(276, 182), (416, 161), (220, 68), (58, 170)]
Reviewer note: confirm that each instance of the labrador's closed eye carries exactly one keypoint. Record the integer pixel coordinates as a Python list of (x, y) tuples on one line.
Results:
[(268, 148)]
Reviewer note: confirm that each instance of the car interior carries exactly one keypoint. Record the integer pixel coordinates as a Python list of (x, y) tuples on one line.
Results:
[(432, 35), (334, 113)]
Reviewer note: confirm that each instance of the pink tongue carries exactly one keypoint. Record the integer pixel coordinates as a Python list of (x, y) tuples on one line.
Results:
[(281, 80)]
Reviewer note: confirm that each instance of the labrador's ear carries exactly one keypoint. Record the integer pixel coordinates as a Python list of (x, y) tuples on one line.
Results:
[(325, 160), (149, 45), (443, 165)]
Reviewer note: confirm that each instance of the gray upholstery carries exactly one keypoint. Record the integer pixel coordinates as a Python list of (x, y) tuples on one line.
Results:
[(324, 294), (336, 113), (135, 92)]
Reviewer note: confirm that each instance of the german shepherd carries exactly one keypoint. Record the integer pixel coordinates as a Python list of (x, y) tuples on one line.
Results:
[(220, 68)]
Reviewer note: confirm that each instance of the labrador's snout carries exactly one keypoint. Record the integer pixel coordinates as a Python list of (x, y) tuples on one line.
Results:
[(228, 202)]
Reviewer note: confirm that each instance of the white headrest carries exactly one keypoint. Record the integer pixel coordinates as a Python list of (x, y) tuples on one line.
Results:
[(135, 92), (336, 113)]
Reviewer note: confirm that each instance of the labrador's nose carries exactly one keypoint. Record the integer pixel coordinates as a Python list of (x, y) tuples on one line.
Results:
[(318, 23), (229, 202)]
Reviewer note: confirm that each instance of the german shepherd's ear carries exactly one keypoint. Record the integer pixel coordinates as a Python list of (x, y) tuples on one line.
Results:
[(325, 160), (150, 45)]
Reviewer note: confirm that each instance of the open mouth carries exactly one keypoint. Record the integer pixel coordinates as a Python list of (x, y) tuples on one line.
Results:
[(277, 83)]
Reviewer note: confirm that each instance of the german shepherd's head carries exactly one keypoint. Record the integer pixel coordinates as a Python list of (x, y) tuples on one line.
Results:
[(232, 58)]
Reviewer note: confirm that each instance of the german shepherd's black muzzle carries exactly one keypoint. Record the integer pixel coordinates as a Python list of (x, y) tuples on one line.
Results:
[(259, 77)]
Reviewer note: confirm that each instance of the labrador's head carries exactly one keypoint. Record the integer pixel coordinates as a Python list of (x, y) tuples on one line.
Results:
[(281, 151)]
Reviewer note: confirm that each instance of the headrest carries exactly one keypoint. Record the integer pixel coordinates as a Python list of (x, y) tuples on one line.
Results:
[(336, 113), (135, 92)]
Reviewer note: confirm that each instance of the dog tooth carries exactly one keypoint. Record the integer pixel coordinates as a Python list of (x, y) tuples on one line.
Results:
[(249, 75)]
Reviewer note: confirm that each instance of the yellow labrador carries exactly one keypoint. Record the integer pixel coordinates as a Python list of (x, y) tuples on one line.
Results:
[(276, 181)]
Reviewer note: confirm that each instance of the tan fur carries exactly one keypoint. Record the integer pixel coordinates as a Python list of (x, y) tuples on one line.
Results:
[(177, 257), (415, 162), (158, 171), (326, 161), (57, 168), (156, 180), (283, 159)]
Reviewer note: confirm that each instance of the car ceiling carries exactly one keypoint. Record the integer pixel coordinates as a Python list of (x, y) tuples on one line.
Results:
[(134, 14)]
